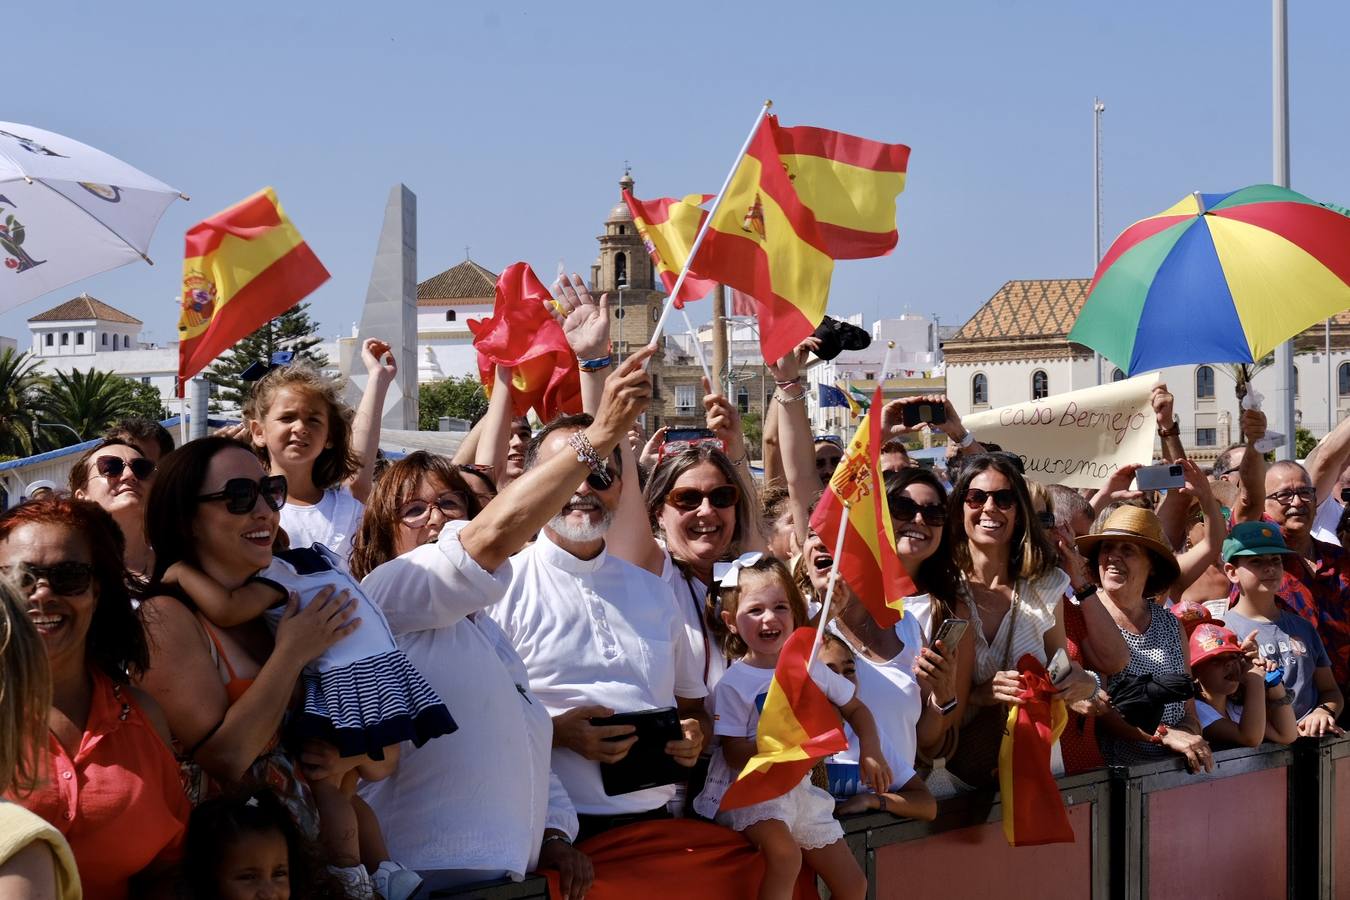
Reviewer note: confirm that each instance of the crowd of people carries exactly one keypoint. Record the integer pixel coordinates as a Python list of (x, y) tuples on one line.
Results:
[(270, 664)]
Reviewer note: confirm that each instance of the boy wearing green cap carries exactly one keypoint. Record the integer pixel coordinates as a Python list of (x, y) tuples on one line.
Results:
[(1252, 560)]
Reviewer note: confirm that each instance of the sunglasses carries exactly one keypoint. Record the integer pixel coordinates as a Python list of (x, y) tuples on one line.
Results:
[(688, 499), (418, 512), (1004, 498), (903, 510), (602, 480), (64, 578), (114, 466), (241, 494)]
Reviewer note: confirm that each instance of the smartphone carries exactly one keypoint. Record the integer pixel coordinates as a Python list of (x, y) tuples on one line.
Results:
[(1060, 666), (931, 413), (1165, 477), (950, 632), (1345, 495), (691, 435)]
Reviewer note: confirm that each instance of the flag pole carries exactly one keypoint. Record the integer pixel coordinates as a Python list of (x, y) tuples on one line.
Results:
[(703, 229), (698, 350), (829, 586)]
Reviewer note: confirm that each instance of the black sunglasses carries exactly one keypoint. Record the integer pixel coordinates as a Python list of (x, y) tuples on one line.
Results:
[(903, 510), (689, 499), (114, 466), (1004, 498), (241, 494), (64, 578)]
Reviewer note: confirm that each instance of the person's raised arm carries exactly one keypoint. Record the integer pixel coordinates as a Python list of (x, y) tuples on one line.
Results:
[(527, 503), (381, 370), (1194, 562), (490, 448), (770, 449), (225, 609), (794, 436), (1328, 459), (893, 423), (1117, 487), (1169, 427), (1251, 501)]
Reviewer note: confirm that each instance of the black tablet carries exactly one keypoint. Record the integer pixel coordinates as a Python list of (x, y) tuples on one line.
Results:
[(647, 764)]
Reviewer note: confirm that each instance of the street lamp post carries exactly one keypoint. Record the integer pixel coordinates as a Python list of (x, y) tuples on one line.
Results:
[(618, 353), (79, 438)]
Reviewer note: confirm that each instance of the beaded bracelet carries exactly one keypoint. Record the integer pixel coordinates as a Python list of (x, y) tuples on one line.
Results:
[(586, 452), (782, 397)]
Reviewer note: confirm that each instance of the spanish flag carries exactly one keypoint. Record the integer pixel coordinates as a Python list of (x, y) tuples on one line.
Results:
[(522, 334), (668, 228), (1033, 810), (797, 726), (869, 564), (801, 198), (242, 267)]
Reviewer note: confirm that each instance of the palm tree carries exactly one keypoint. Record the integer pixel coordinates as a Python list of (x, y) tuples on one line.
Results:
[(20, 387), (87, 403)]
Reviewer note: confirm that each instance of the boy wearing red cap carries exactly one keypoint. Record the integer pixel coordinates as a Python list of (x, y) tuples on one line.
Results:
[(1234, 706), (1252, 560)]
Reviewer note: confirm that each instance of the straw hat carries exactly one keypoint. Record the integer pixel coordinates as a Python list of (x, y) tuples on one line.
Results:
[(1134, 525)]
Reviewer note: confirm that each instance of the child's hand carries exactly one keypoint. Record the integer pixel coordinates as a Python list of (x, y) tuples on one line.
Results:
[(378, 359), (858, 803), (171, 574), (320, 761), (304, 634), (876, 774)]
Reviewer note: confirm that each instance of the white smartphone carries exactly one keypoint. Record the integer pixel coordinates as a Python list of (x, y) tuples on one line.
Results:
[(1165, 477), (1060, 666)]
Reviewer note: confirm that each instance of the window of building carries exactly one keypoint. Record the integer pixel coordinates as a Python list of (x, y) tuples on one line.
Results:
[(145, 379), (65, 338), (623, 229), (1040, 385), (1206, 437), (1204, 383), (1343, 380), (1295, 381), (979, 390), (743, 399), (620, 270), (79, 338), (126, 342), (51, 339), (104, 342), (1117, 375), (684, 397)]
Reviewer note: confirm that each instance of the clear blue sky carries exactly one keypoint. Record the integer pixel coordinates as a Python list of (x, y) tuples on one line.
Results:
[(511, 121)]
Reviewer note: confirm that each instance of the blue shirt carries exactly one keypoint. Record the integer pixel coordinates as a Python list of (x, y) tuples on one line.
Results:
[(1293, 643)]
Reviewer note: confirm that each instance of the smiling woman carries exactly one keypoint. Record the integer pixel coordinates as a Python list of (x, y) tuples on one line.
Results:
[(116, 475)]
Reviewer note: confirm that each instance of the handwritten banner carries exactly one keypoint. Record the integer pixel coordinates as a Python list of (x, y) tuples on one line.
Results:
[(1077, 439)]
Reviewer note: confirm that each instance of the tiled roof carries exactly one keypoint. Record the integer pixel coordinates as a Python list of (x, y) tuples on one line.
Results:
[(85, 307), (1038, 309), (466, 281)]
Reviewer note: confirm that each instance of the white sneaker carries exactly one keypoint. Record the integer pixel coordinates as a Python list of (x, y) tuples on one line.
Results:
[(393, 882)]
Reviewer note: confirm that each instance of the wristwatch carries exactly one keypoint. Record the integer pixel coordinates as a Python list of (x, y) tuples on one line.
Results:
[(556, 836), (947, 708), (1085, 592), (1174, 431)]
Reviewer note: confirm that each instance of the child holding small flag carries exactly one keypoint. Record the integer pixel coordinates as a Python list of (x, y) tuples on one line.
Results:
[(786, 818)]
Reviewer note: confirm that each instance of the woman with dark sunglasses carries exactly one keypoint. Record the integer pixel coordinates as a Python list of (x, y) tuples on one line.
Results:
[(117, 476), (1015, 590)]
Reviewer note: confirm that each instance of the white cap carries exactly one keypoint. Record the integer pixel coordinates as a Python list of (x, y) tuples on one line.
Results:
[(39, 485)]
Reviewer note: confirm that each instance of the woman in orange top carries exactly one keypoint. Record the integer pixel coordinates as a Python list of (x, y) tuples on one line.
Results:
[(111, 785)]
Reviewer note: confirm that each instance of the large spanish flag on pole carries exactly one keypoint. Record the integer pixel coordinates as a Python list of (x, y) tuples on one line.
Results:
[(668, 227), (855, 501), (797, 726), (242, 267), (1033, 809)]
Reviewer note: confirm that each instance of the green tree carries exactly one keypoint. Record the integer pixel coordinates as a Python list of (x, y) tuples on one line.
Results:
[(1304, 442), (86, 403), (753, 429), (20, 394), (293, 330), (146, 401), (460, 398)]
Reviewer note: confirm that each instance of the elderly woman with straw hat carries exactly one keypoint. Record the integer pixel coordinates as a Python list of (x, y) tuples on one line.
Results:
[(1134, 565)]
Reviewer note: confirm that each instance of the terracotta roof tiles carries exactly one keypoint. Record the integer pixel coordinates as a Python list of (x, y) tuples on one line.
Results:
[(85, 307), (467, 281)]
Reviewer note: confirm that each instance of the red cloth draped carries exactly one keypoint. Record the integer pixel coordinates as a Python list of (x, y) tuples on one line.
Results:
[(677, 857), (1033, 810)]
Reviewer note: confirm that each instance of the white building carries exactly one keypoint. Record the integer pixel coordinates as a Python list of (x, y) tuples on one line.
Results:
[(444, 304), (1015, 348)]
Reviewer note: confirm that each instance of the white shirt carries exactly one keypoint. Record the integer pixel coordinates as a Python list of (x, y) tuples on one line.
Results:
[(1327, 518), (479, 798), (890, 690), (691, 596), (333, 522), (597, 632)]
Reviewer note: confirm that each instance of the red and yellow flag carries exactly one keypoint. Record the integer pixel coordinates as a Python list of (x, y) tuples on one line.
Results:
[(1033, 809), (797, 726), (242, 267), (522, 334), (668, 228), (869, 564)]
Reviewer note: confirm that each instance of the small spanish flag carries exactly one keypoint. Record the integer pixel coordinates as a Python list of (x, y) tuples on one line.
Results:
[(1033, 809), (797, 726), (522, 334), (242, 267), (668, 228), (869, 564)]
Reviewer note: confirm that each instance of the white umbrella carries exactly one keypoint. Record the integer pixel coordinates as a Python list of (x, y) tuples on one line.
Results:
[(68, 211)]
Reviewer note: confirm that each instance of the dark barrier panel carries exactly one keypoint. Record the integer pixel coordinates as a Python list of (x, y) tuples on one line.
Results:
[(530, 889), (963, 853), (1321, 822), (1224, 834)]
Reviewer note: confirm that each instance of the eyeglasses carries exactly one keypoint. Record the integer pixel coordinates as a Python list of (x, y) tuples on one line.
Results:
[(417, 513), (241, 494), (114, 466), (689, 499), (1286, 496), (64, 578), (1004, 498), (903, 510)]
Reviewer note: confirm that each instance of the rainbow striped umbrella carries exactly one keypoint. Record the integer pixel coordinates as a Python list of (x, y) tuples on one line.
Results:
[(1217, 278)]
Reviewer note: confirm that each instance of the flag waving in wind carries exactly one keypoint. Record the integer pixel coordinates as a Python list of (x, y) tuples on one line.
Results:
[(242, 267), (668, 228), (522, 334), (869, 564), (797, 726)]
